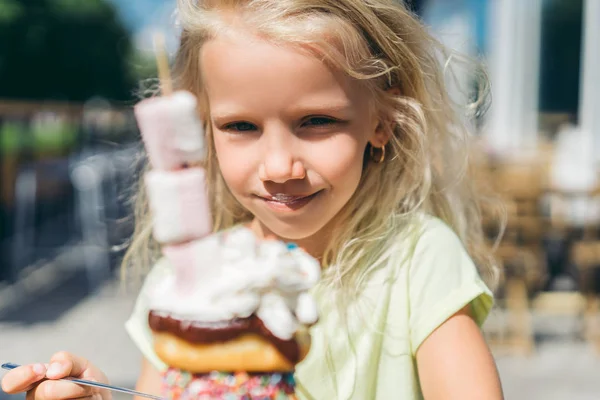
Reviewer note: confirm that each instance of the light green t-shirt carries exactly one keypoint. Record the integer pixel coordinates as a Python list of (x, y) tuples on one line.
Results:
[(371, 354)]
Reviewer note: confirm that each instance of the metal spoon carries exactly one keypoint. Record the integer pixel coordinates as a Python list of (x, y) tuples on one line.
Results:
[(84, 382)]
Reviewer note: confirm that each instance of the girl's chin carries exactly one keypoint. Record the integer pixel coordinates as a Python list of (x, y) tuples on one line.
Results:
[(288, 230)]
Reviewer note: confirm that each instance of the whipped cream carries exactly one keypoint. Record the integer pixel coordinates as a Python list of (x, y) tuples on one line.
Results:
[(236, 275)]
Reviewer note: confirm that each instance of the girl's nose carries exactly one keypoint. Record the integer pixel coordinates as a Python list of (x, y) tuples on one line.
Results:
[(280, 163)]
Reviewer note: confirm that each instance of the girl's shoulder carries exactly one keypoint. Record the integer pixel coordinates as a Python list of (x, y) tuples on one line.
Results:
[(431, 245), (438, 279), (435, 233), (425, 232), (419, 242)]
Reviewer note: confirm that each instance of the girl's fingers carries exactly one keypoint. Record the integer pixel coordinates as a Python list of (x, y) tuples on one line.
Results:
[(41, 381), (58, 390), (64, 364), (23, 378)]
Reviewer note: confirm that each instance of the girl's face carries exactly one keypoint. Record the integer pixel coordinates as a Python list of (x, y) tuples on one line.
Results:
[(289, 133)]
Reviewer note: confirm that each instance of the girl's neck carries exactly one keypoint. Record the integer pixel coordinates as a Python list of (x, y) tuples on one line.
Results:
[(314, 245)]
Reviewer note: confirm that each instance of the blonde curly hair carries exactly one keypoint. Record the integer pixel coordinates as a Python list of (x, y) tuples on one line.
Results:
[(381, 44)]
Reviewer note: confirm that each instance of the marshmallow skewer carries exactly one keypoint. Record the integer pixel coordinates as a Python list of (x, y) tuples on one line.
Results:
[(171, 129), (162, 63), (176, 185)]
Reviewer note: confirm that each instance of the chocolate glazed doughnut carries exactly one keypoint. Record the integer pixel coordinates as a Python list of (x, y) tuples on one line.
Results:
[(248, 352), (197, 332), (240, 344)]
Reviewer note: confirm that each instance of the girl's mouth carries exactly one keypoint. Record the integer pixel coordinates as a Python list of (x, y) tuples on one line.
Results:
[(287, 202)]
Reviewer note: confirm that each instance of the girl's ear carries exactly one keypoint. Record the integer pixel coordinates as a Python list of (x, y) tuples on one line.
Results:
[(384, 129), (381, 135)]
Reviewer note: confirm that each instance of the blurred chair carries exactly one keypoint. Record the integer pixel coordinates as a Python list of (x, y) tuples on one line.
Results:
[(96, 182), (24, 221), (585, 257), (572, 207), (36, 183), (99, 181), (88, 176), (521, 252), (521, 249), (573, 201)]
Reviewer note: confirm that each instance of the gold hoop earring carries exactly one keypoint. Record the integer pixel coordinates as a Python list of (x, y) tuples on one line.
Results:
[(381, 157)]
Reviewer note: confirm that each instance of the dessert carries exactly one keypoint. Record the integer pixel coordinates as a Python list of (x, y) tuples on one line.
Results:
[(233, 317), (242, 310)]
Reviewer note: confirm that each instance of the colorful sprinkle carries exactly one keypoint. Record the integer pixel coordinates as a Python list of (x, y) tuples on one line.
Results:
[(179, 385)]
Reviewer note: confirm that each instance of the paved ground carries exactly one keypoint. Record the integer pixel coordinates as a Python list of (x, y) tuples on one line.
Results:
[(68, 318), (91, 326), (559, 371)]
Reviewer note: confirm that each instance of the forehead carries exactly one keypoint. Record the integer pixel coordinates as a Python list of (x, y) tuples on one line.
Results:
[(249, 69)]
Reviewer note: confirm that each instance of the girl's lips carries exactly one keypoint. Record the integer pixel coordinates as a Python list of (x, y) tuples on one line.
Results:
[(284, 202)]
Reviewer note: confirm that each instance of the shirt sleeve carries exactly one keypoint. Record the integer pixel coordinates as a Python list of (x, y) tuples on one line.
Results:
[(137, 325), (442, 280)]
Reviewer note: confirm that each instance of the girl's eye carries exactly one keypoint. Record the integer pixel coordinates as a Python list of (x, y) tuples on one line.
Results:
[(319, 121), (240, 127)]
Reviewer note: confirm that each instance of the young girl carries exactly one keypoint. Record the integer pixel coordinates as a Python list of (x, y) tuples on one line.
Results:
[(329, 126)]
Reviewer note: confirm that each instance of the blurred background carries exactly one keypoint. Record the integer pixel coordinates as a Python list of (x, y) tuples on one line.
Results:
[(70, 72)]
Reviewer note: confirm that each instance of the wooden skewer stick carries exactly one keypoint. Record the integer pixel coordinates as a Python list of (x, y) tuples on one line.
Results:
[(162, 61)]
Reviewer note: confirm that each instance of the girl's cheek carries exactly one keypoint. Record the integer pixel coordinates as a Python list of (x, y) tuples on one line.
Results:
[(236, 167)]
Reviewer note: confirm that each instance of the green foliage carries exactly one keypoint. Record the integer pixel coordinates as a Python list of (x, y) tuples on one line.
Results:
[(9, 10), (12, 137), (17, 139), (64, 50)]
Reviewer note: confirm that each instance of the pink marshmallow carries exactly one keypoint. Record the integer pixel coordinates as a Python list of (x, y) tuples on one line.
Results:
[(183, 258), (171, 130), (192, 260), (179, 204)]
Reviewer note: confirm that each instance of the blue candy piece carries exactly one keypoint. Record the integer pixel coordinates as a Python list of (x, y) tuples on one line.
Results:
[(292, 246), (275, 379)]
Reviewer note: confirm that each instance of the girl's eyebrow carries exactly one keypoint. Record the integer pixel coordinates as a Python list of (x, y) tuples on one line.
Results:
[(322, 108), (228, 113)]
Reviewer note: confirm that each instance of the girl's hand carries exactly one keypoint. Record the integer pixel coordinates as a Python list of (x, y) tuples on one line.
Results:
[(40, 380)]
